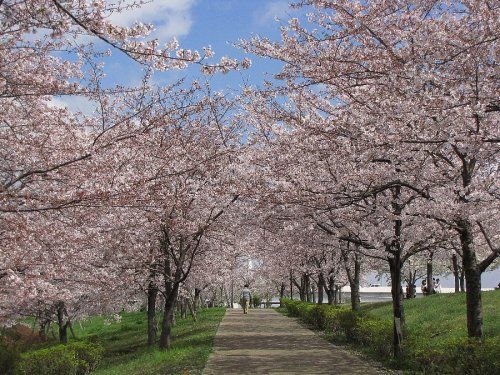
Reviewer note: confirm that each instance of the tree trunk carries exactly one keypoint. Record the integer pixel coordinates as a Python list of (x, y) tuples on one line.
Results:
[(395, 264), (354, 284), (308, 287), (410, 288), (282, 290), (321, 287), (197, 299), (291, 285), (472, 280), (232, 294), (41, 330), (63, 326), (454, 262), (430, 281), (192, 310), (302, 289), (152, 295), (462, 281), (397, 305), (353, 276), (330, 290), (168, 315), (183, 306), (70, 325)]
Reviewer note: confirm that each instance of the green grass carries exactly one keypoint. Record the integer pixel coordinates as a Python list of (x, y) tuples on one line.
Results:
[(435, 334), (126, 351), (441, 316)]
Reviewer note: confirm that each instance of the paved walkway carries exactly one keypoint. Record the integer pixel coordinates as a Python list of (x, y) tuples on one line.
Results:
[(266, 342)]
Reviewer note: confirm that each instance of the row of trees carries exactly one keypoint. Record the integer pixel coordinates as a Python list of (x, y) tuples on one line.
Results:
[(375, 149), (386, 127)]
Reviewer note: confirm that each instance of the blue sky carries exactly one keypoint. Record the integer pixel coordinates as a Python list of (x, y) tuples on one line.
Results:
[(199, 23), (219, 23)]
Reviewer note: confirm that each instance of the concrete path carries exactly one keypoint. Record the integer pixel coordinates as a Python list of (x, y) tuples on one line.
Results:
[(266, 342)]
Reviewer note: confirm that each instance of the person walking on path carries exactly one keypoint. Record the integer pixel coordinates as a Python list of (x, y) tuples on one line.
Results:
[(246, 296)]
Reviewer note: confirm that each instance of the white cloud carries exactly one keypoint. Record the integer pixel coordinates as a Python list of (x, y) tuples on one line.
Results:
[(170, 17), (272, 10), (74, 103)]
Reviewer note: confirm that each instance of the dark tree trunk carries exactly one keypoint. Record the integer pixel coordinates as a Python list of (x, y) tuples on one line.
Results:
[(282, 290), (291, 285), (395, 264), (410, 288), (472, 279), (307, 287), (152, 295), (41, 330), (63, 326), (168, 316), (302, 289), (353, 276), (397, 305), (232, 294), (330, 290), (354, 284), (321, 287), (430, 281), (454, 262), (313, 292)]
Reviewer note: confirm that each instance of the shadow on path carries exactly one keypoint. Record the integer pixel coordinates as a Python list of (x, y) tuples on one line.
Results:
[(265, 342)]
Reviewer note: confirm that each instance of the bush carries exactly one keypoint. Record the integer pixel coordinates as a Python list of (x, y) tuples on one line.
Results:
[(256, 300), (451, 356), (456, 356), (90, 353), (376, 334), (9, 355), (77, 358)]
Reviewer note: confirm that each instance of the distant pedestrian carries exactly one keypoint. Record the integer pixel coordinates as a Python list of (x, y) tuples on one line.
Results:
[(423, 287), (246, 296), (437, 286)]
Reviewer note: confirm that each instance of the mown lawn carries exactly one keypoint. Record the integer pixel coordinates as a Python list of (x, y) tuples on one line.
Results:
[(126, 351), (442, 316)]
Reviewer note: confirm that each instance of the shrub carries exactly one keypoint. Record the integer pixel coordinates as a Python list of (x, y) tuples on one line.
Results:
[(461, 356), (256, 300), (90, 353), (376, 334), (77, 358), (449, 356), (318, 316), (9, 355)]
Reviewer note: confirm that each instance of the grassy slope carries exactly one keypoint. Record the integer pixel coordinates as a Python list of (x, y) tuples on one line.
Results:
[(442, 316), (127, 352)]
